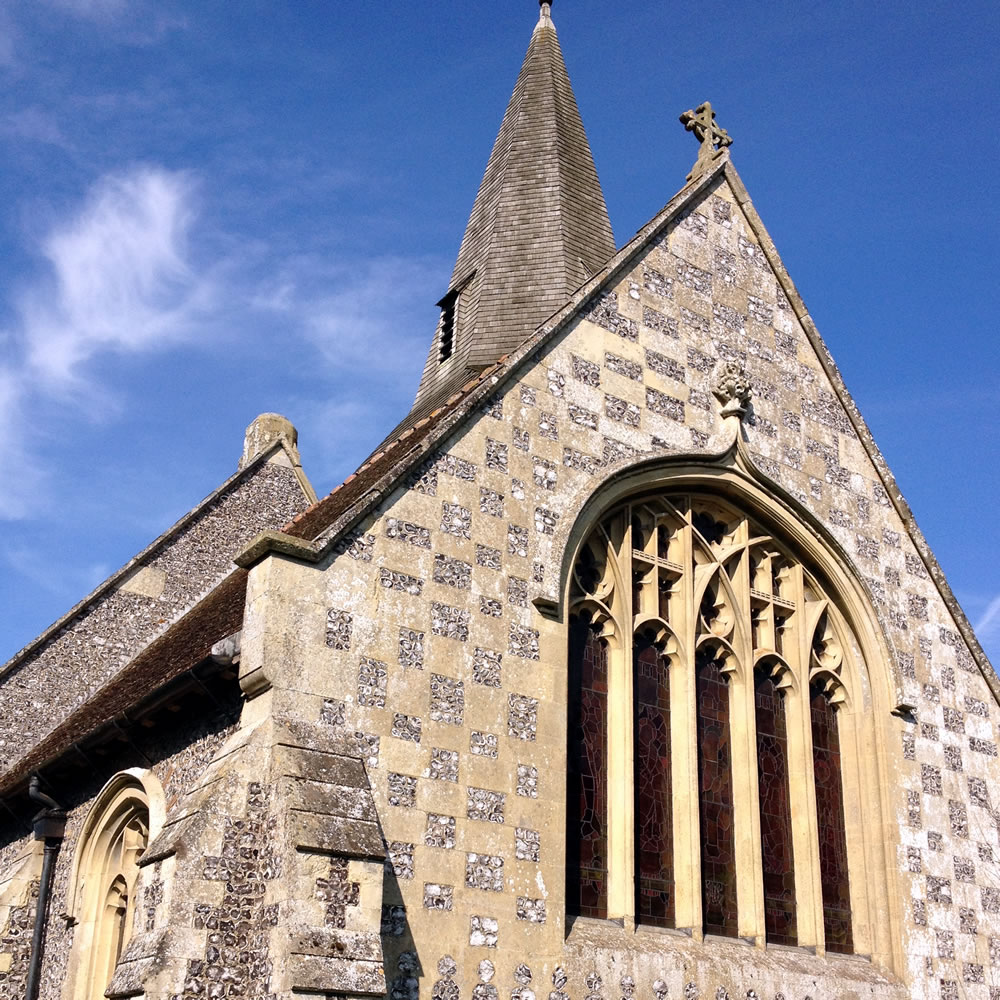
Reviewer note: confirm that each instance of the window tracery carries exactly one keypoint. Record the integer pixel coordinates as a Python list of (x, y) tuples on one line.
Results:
[(709, 669), (105, 881)]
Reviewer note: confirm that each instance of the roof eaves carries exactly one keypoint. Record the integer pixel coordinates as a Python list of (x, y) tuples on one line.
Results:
[(183, 645)]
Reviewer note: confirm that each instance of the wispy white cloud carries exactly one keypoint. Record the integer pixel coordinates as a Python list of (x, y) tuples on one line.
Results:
[(7, 60), (124, 22), (374, 312), (122, 274), (356, 314), (33, 124), (23, 475), (335, 434), (69, 584), (119, 277), (91, 9), (370, 324)]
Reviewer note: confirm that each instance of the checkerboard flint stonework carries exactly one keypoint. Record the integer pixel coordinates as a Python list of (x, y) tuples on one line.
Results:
[(631, 378), (385, 812)]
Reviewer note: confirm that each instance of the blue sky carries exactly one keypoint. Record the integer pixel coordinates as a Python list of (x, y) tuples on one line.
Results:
[(210, 210)]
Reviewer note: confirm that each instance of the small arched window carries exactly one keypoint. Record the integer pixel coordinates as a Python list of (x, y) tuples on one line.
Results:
[(105, 881), (709, 668)]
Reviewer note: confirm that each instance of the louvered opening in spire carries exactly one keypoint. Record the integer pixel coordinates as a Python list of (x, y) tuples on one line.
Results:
[(538, 229)]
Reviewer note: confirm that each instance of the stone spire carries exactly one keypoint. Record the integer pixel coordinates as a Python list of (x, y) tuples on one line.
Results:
[(538, 229)]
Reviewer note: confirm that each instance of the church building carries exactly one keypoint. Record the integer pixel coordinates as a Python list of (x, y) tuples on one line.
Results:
[(619, 671)]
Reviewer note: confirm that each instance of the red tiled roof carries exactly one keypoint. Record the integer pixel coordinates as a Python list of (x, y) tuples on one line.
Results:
[(317, 518), (184, 645)]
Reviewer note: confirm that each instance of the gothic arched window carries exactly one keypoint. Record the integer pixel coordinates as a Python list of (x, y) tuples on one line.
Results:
[(104, 882), (709, 667)]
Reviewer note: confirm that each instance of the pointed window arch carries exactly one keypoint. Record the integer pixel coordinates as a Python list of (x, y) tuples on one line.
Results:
[(777, 851), (715, 795), (830, 820), (104, 881), (702, 641)]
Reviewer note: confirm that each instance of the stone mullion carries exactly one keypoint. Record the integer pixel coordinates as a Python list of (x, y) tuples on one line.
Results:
[(853, 803), (684, 756), (768, 624), (805, 843), (880, 936), (743, 737), (866, 857), (802, 782), (621, 773)]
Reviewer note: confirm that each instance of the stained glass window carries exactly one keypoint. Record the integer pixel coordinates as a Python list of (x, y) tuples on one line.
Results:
[(692, 601), (775, 811), (587, 774), (715, 799), (654, 831), (830, 820)]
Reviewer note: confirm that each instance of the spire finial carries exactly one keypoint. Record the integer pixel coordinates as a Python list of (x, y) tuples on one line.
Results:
[(545, 9), (701, 121)]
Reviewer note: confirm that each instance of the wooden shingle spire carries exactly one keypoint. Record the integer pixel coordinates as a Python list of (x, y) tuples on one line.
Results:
[(538, 229)]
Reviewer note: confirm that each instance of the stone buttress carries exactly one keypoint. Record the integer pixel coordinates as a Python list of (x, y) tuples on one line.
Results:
[(267, 876)]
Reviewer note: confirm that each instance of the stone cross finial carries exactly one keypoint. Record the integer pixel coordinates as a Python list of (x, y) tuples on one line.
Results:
[(713, 138)]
